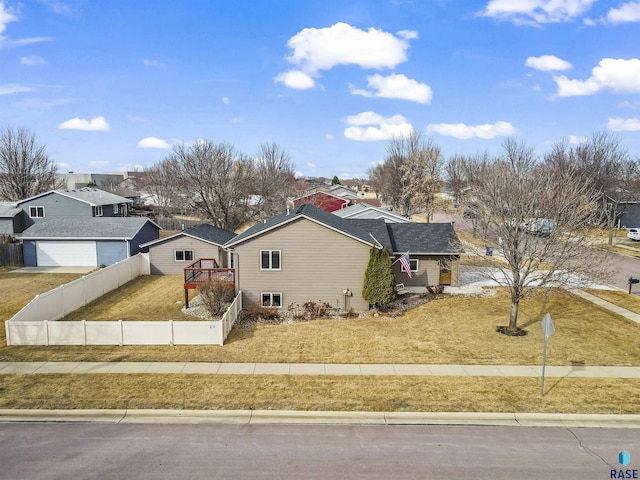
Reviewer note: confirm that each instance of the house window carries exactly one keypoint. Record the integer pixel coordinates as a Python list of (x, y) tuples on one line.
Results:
[(98, 211), (115, 208), (36, 212), (269, 259), (414, 266), (271, 299), (184, 255)]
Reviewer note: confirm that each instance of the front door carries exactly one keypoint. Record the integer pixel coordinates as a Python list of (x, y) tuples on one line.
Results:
[(445, 272)]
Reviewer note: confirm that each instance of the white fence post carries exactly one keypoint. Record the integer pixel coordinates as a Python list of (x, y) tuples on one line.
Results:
[(84, 331), (46, 327), (121, 333), (171, 342)]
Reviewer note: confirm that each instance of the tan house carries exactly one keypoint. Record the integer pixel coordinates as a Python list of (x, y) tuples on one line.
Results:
[(170, 255), (309, 254)]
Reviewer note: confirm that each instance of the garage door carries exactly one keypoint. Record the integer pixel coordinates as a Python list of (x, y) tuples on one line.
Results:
[(68, 254)]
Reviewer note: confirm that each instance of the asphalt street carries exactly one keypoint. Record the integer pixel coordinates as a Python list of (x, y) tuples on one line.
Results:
[(159, 451)]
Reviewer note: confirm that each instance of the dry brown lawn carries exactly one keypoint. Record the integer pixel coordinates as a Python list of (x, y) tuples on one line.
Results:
[(450, 330), (149, 297), (618, 297), (305, 392)]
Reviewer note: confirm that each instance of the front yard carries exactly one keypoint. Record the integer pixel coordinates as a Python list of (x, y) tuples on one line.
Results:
[(449, 330), (454, 330)]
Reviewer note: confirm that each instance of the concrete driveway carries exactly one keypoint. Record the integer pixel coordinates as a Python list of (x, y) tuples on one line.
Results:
[(79, 270)]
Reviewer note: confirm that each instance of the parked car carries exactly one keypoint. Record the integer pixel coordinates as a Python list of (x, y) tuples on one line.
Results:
[(540, 226), (634, 234)]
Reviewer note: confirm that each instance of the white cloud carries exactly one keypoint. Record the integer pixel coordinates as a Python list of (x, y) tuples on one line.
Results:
[(576, 139), (6, 16), (547, 63), (624, 124), (626, 13), (295, 79), (536, 12), (33, 60), (396, 86), (226, 100), (371, 127), (462, 131), (328, 136), (617, 75), (153, 142), (318, 49), (11, 88), (311, 165), (96, 124), (96, 163), (153, 63)]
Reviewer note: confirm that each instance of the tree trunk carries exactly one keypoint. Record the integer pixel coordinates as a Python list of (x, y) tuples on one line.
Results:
[(513, 317)]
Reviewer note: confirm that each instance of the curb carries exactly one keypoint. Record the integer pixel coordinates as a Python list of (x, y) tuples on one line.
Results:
[(292, 417)]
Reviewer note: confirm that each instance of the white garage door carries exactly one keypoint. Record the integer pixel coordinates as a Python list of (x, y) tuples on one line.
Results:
[(68, 254)]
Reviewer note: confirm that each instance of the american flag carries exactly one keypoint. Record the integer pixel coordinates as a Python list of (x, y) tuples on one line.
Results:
[(405, 262)]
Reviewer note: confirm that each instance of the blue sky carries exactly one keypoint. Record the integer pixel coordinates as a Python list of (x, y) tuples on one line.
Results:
[(111, 85)]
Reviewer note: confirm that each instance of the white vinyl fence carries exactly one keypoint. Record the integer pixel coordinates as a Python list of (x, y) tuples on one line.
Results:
[(36, 323)]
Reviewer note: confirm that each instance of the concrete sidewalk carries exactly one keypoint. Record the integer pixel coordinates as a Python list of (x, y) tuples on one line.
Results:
[(634, 317), (7, 368)]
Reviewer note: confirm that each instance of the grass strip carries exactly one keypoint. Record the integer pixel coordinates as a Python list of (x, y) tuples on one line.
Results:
[(317, 393)]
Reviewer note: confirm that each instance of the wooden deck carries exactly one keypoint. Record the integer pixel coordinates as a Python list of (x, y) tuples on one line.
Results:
[(201, 272)]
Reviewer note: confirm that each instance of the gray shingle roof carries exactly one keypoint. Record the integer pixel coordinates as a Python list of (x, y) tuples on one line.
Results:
[(375, 227), (85, 228), (428, 238), (92, 196), (8, 210), (311, 212), (204, 231)]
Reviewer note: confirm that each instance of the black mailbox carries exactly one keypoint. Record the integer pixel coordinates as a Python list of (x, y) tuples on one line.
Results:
[(633, 280)]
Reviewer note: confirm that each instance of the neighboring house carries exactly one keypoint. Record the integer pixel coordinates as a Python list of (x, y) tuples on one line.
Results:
[(309, 254), (324, 200), (81, 203), (170, 255), (366, 211), (77, 241), (12, 219)]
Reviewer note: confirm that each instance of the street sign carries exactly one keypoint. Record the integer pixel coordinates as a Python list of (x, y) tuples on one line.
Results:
[(547, 329), (547, 326)]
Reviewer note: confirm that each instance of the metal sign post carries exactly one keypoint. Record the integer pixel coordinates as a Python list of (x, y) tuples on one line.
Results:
[(547, 329)]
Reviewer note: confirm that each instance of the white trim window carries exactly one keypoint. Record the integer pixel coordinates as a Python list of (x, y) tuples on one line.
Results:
[(183, 255), (270, 259), (415, 265), (271, 299), (97, 211), (36, 212)]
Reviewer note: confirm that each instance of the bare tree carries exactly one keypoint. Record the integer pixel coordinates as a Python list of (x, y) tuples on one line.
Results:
[(607, 164), (410, 174), (422, 177), (455, 172), (275, 179), (164, 181), (219, 181), (560, 203), (25, 168)]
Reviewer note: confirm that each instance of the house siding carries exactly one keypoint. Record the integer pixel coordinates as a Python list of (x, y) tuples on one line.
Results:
[(428, 272), (56, 206), (162, 256), (110, 251), (317, 263), (147, 233), (6, 226)]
